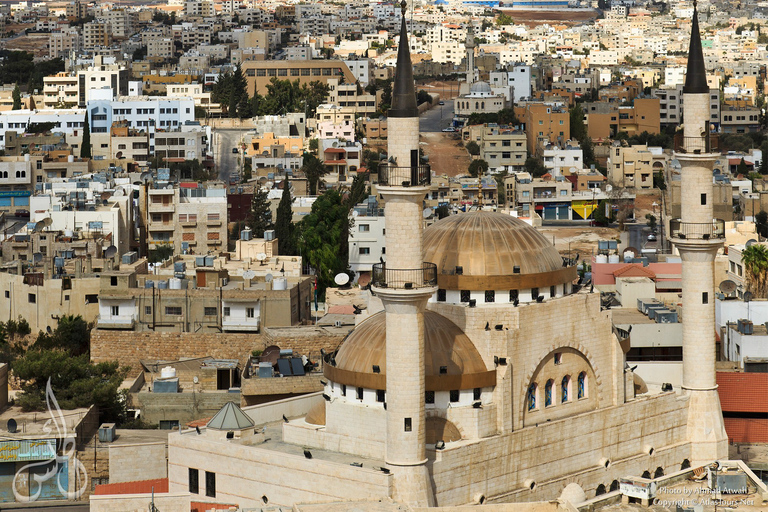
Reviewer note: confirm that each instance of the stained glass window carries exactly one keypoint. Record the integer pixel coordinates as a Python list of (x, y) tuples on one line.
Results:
[(532, 397), (548, 393), (565, 385)]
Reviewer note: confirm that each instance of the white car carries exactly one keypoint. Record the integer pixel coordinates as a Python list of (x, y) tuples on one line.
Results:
[(449, 129)]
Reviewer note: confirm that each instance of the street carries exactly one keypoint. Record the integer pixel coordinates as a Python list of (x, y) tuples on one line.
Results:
[(224, 140), (437, 118)]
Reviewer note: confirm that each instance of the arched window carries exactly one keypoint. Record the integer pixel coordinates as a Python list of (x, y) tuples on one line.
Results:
[(482, 104), (685, 465), (659, 472), (564, 388), (18, 174), (646, 474), (582, 391), (600, 490), (548, 393), (477, 105), (614, 485), (532, 397)]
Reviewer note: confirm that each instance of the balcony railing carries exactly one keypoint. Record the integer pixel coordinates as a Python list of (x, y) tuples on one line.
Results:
[(709, 143), (405, 279), (697, 231), (393, 176)]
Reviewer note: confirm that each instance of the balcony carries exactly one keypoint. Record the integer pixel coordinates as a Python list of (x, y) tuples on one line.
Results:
[(393, 176), (405, 279), (125, 322), (161, 226), (162, 207), (697, 231), (696, 145)]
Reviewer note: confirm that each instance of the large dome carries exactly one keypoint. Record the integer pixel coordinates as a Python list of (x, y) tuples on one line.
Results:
[(493, 251), (446, 346)]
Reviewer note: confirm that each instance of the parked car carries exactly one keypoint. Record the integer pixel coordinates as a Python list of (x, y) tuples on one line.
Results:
[(22, 213), (652, 237), (441, 103), (449, 129)]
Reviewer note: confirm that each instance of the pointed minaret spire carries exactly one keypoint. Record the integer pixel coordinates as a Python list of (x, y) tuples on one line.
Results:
[(696, 74), (403, 92)]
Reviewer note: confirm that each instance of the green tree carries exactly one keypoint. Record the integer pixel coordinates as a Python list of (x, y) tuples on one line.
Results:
[(578, 130), (472, 147), (284, 222), (160, 253), (324, 237), (313, 169), (75, 382), (16, 97), (260, 216), (504, 19), (535, 166), (423, 97), (599, 214), (761, 223), (477, 168), (658, 180), (442, 211), (651, 221), (313, 146), (755, 259), (357, 192), (73, 335), (85, 144), (742, 167)]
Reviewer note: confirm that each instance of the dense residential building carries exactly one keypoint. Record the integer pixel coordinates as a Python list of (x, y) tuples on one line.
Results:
[(503, 147), (634, 166)]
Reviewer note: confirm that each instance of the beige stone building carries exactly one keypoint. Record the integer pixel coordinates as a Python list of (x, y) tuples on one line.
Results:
[(60, 89), (634, 166), (259, 73), (504, 148), (95, 35)]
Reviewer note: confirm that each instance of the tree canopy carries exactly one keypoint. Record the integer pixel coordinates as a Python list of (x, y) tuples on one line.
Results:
[(85, 144), (314, 169), (477, 168), (284, 224), (260, 216), (18, 67), (503, 117), (755, 259)]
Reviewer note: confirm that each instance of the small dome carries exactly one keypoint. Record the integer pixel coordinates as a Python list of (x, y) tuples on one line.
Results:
[(573, 493), (446, 346), (488, 247), (480, 87)]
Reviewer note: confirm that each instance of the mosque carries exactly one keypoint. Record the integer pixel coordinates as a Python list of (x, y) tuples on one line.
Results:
[(488, 376)]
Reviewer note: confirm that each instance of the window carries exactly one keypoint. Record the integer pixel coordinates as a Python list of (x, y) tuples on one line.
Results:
[(365, 228), (454, 395), (194, 480), (381, 395), (477, 393), (582, 391), (440, 295), (225, 311), (250, 312), (408, 425), (532, 397), (173, 310), (115, 310), (558, 358), (208, 311), (552, 292), (364, 250), (343, 390), (31, 298), (703, 199), (429, 397), (534, 293), (147, 310), (113, 281), (548, 393), (565, 386), (490, 296), (705, 298), (359, 393), (210, 484), (465, 295), (7, 294)]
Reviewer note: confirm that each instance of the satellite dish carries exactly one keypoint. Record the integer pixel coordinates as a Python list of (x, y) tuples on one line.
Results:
[(195, 379), (261, 256), (39, 226), (747, 296), (268, 278), (249, 274), (37, 257), (727, 287), (270, 355), (355, 213), (119, 192), (427, 213), (633, 250), (12, 426), (341, 279), (110, 252), (750, 242), (47, 221)]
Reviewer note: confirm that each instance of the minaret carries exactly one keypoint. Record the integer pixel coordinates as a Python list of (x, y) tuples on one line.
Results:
[(470, 45), (697, 237), (404, 284)]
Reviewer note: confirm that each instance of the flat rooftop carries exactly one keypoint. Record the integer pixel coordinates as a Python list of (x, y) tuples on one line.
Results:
[(32, 424), (629, 316)]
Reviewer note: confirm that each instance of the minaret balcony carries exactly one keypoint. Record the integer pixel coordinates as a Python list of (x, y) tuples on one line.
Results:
[(404, 279), (707, 143), (415, 176), (697, 231)]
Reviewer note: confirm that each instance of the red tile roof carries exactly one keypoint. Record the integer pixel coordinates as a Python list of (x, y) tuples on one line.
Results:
[(634, 270), (160, 485), (746, 430), (743, 392), (199, 506)]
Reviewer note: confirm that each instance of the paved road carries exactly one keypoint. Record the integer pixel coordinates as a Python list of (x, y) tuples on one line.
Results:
[(224, 140), (437, 118)]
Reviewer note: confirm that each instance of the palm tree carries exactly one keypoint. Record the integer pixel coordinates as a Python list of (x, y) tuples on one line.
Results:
[(755, 259)]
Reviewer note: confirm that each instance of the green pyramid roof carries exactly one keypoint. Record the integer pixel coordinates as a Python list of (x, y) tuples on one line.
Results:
[(230, 417)]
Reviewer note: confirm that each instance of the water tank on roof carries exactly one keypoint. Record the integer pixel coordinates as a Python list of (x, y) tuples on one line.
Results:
[(69, 233), (163, 284), (280, 283), (269, 234), (601, 258), (246, 235), (613, 258), (628, 256), (179, 266), (209, 261), (200, 261), (174, 283), (168, 372), (149, 284)]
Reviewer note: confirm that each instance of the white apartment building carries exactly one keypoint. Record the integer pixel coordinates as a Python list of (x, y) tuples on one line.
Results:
[(361, 68), (142, 112), (68, 121), (60, 89), (367, 243), (557, 159), (514, 84), (100, 75)]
